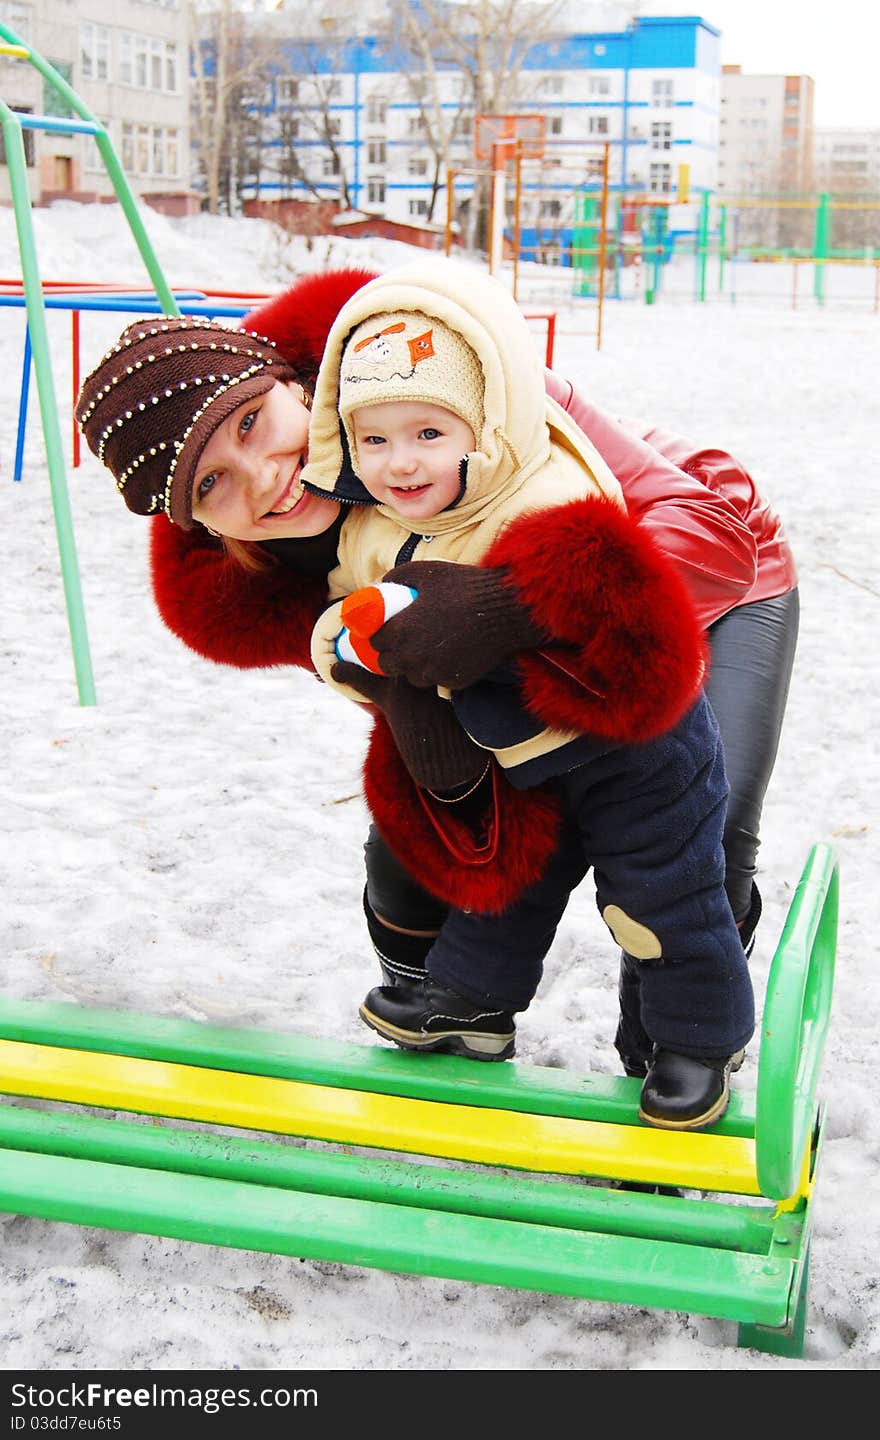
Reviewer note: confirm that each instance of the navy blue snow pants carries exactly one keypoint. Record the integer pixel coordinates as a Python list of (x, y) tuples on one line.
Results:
[(649, 820)]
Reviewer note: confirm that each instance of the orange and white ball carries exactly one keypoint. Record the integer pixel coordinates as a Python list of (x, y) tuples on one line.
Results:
[(363, 613)]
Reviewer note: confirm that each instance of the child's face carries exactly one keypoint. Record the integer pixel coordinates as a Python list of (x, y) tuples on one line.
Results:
[(409, 453), (247, 482)]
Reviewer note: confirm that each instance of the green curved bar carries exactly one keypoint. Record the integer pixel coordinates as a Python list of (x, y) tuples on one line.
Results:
[(121, 187), (797, 1009)]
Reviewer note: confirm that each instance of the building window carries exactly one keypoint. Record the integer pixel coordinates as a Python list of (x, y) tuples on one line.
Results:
[(599, 85), (142, 150), (377, 107), (376, 152), (418, 209), (416, 125), (150, 150), (17, 16), (661, 135), (551, 209), (158, 150), (94, 51), (147, 63), (172, 151), (375, 192), (416, 165), (26, 135), (330, 165), (662, 92), (554, 124), (660, 182), (287, 90), (598, 125)]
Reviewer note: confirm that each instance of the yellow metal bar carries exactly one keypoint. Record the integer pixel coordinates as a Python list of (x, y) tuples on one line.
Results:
[(18, 51), (541, 1143), (805, 1182)]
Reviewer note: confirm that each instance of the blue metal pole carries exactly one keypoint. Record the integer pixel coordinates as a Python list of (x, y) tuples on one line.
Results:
[(23, 405)]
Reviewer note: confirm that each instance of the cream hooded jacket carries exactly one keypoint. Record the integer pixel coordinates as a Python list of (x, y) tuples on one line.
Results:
[(530, 455)]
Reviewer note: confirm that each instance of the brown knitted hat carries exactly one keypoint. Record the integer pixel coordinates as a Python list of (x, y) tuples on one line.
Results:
[(151, 405)]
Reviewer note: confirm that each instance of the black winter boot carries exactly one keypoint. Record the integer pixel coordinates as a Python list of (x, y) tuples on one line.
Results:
[(427, 1016), (401, 955), (683, 1093), (749, 924), (632, 1042)]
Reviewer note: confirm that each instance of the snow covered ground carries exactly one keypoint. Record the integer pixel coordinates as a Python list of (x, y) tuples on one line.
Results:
[(190, 846)]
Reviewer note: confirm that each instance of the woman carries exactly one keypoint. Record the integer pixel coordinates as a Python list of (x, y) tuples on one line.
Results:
[(253, 601)]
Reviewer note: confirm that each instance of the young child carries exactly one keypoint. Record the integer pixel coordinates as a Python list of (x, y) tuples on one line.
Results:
[(430, 420)]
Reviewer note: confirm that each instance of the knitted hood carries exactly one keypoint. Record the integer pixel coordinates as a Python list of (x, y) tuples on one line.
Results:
[(519, 419)]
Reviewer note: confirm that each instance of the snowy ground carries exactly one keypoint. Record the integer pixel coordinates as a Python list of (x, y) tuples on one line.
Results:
[(190, 846)]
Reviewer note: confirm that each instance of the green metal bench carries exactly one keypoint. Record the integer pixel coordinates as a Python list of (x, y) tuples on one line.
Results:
[(507, 1204)]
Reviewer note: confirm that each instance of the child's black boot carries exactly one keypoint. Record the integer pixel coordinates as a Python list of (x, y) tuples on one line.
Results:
[(632, 1041), (427, 1016), (401, 953), (683, 1093)]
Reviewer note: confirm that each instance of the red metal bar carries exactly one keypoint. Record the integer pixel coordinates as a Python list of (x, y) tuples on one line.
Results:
[(549, 316), (74, 345)]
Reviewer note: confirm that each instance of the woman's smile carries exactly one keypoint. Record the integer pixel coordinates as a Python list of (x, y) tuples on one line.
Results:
[(292, 494)]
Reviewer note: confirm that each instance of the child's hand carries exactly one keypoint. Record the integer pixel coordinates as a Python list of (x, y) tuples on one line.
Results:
[(465, 621)]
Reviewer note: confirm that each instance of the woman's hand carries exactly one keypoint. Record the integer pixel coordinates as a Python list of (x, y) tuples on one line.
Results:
[(464, 621), (438, 754)]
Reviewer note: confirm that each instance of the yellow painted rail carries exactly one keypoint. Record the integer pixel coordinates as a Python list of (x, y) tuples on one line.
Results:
[(540, 1143)]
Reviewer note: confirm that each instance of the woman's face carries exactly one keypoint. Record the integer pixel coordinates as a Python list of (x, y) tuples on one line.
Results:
[(247, 482)]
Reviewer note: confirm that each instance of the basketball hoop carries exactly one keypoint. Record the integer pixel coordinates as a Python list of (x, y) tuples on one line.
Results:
[(503, 130)]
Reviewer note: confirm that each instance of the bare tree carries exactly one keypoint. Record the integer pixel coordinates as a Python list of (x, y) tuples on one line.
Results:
[(303, 59), (231, 77), (242, 137), (486, 42), (318, 126)]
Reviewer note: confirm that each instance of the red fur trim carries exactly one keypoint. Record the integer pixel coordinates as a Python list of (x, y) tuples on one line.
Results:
[(298, 321), (528, 826), (633, 654), (250, 619)]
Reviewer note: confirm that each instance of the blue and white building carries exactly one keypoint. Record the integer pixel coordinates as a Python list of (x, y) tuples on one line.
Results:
[(650, 89)]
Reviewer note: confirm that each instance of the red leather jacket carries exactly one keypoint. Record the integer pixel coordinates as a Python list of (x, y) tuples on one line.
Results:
[(701, 506)]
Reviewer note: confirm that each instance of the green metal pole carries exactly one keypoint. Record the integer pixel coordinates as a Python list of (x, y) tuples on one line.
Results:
[(36, 318), (703, 244), (820, 247), (797, 1010), (136, 224)]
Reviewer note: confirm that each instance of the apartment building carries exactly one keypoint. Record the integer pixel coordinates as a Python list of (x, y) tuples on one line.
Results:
[(128, 61), (846, 167), (346, 118), (766, 152), (846, 161)]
